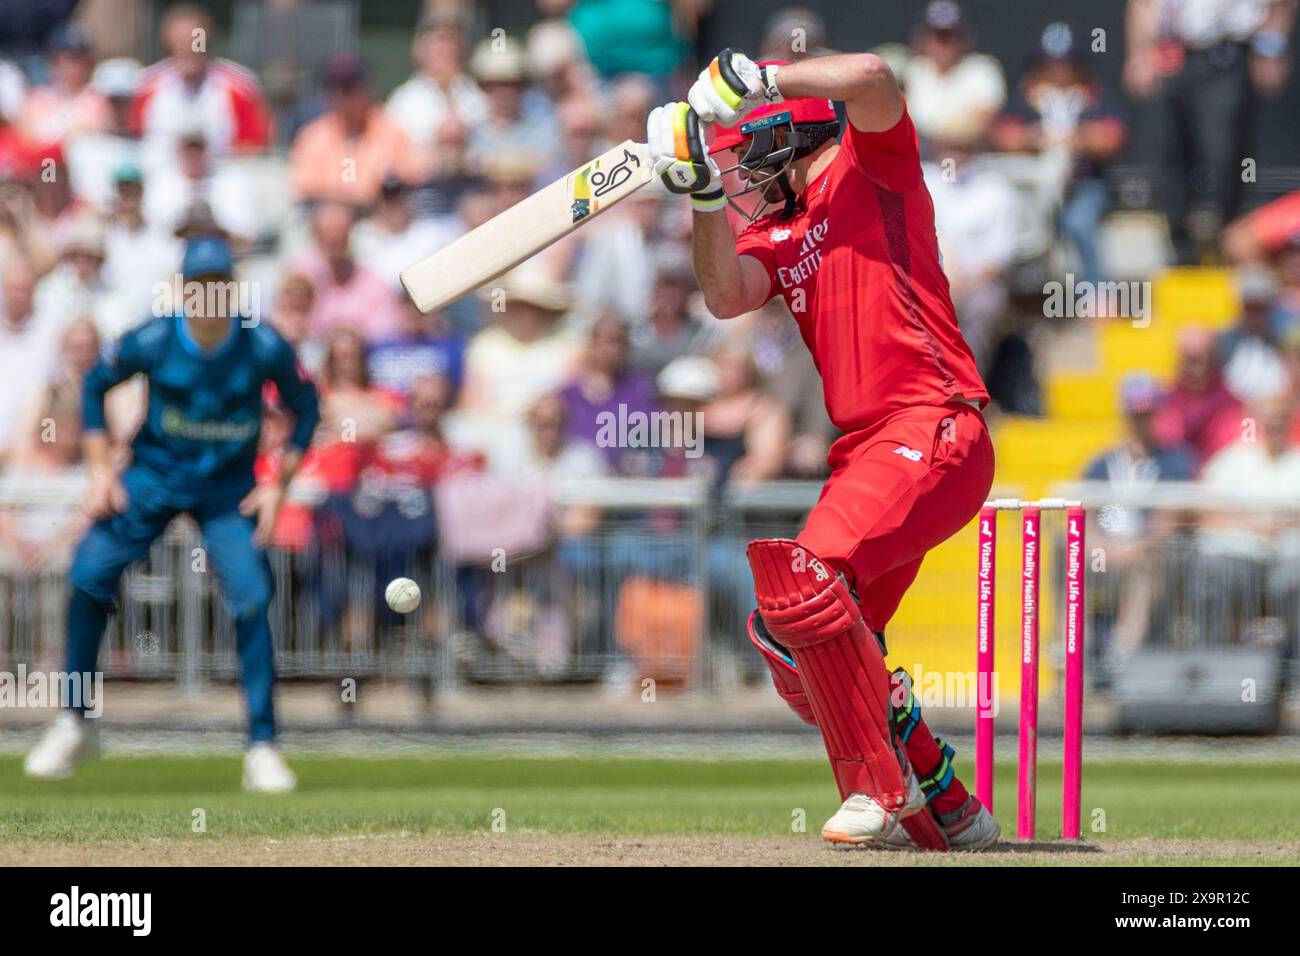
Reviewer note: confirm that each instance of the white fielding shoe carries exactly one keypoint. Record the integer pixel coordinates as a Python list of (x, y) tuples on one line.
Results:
[(861, 821), (70, 741), (266, 772)]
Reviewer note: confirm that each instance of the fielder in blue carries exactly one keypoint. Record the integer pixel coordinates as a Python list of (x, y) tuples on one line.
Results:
[(194, 454)]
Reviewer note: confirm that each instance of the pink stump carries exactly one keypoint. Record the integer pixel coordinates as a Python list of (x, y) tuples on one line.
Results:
[(1072, 774), (1028, 771), (985, 686)]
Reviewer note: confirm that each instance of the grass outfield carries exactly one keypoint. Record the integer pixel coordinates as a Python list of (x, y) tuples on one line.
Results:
[(1162, 812)]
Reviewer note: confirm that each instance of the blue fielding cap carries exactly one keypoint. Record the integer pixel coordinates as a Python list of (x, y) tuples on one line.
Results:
[(207, 256)]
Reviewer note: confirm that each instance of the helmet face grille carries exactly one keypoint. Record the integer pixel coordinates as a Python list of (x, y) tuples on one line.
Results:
[(765, 162)]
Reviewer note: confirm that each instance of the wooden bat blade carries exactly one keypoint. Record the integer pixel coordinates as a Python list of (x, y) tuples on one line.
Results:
[(527, 227)]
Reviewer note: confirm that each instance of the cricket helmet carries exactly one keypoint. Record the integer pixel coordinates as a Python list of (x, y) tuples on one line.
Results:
[(807, 123)]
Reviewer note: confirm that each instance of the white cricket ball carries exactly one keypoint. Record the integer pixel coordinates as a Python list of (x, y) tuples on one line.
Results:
[(402, 595)]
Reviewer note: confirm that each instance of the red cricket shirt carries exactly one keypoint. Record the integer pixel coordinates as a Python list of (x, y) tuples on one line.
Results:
[(858, 266)]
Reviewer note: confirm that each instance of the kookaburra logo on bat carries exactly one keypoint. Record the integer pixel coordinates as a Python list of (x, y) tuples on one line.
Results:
[(604, 182)]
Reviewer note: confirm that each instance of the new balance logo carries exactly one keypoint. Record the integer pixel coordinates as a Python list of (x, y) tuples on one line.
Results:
[(911, 454)]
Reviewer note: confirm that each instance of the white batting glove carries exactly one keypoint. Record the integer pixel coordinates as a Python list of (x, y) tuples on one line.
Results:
[(731, 87), (680, 156)]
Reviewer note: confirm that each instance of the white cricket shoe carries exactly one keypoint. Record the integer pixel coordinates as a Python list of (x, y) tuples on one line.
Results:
[(974, 830), (71, 740), (266, 772), (861, 821)]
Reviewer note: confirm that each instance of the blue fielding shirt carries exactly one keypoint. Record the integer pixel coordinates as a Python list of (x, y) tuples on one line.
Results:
[(205, 407)]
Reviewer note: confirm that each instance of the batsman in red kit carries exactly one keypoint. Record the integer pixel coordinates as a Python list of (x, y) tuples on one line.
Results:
[(844, 233)]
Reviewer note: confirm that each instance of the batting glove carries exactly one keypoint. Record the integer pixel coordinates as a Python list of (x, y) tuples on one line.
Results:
[(731, 87), (680, 157)]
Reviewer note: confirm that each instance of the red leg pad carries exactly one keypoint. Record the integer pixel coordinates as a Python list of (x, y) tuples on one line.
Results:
[(784, 676), (925, 831), (811, 612)]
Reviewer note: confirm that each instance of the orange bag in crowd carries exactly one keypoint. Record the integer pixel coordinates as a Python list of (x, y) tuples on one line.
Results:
[(657, 624)]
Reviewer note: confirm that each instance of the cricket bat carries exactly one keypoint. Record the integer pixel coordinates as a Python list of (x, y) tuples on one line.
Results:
[(527, 227)]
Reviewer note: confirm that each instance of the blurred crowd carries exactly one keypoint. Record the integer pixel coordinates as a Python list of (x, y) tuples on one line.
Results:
[(108, 164)]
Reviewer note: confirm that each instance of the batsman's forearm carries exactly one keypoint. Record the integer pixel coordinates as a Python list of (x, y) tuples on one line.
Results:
[(863, 81), (717, 266)]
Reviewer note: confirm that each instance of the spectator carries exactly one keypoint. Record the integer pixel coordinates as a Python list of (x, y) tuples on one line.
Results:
[(137, 257), (17, 153), (631, 98), (1199, 411), (558, 62), (1252, 367), (1288, 298), (193, 175), (451, 175), (192, 89), (36, 538), (1060, 108), (745, 431), (291, 316), (425, 346), (1262, 234), (1270, 236), (510, 179), (440, 89), (353, 147), (604, 386), (669, 331), (13, 90), (77, 285), (68, 106), (580, 126), (197, 220), (615, 260), (1140, 458), (1248, 556), (525, 354), (509, 128), (793, 33), (637, 36), (1208, 62), (392, 238), (977, 215), (28, 344), (420, 450), (1124, 604), (553, 453), (347, 293), (949, 86), (55, 211), (354, 414), (1291, 360), (793, 380), (94, 158), (50, 427)]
